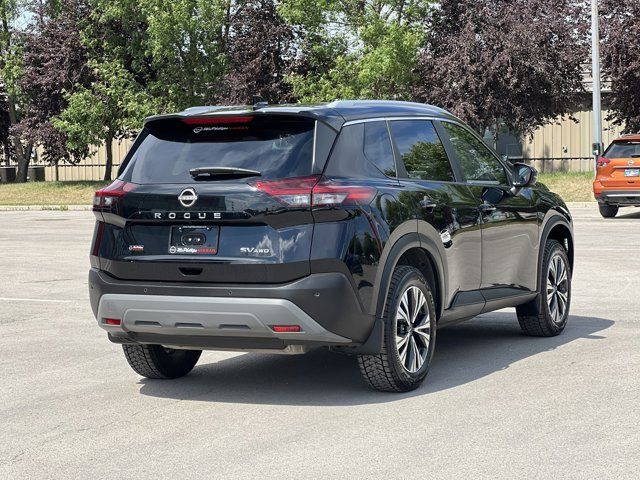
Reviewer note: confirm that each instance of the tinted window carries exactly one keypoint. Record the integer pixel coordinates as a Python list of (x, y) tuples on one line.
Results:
[(421, 151), (277, 147), (377, 147), (623, 150), (477, 163)]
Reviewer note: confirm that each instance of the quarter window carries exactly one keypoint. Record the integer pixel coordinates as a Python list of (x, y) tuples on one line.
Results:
[(421, 150), (477, 163), (377, 147)]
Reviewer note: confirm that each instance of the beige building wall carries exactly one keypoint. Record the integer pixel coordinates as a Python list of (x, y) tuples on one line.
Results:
[(566, 139)]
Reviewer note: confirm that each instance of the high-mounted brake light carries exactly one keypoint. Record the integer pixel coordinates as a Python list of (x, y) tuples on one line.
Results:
[(315, 191), (107, 198), (602, 161), (215, 120)]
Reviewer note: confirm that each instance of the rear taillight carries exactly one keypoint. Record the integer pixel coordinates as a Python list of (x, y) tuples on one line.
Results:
[(294, 192), (95, 251), (602, 161), (316, 191), (328, 193), (108, 198)]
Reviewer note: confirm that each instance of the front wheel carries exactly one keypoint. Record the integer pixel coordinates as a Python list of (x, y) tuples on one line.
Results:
[(409, 335), (608, 211), (156, 361), (547, 314)]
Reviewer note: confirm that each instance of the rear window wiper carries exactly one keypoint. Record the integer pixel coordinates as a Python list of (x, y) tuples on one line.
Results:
[(204, 173)]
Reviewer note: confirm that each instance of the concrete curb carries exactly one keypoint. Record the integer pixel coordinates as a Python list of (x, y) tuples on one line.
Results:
[(60, 208), (582, 204)]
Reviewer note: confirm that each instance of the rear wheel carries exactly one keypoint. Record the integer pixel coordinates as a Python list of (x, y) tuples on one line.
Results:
[(409, 335), (156, 361), (547, 314), (608, 211)]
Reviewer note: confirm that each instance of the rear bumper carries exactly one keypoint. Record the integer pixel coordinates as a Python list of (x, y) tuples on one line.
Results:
[(324, 305), (619, 197)]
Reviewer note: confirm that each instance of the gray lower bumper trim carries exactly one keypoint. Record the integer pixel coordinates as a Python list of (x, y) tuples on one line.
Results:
[(210, 316)]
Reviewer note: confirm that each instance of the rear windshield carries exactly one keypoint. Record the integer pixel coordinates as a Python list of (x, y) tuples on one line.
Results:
[(623, 150), (277, 147)]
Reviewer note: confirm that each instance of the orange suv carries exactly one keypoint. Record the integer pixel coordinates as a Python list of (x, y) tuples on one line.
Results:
[(617, 182)]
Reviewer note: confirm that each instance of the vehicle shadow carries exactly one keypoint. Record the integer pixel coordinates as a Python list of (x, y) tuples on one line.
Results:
[(464, 353), (628, 213)]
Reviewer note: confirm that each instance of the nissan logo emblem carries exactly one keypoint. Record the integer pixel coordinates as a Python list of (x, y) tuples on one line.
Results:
[(630, 162), (188, 197)]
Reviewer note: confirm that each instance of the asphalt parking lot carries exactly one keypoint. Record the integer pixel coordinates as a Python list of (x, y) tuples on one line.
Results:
[(496, 404)]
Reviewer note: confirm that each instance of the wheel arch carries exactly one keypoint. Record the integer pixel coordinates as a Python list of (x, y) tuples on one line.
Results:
[(557, 227), (417, 250)]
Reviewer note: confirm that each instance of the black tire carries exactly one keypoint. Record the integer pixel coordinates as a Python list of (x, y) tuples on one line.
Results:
[(156, 361), (386, 372), (608, 211), (536, 317)]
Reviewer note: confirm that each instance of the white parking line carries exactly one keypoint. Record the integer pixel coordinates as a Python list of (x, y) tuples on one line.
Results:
[(40, 300)]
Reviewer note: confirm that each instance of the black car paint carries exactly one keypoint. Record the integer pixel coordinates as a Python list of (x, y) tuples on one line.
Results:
[(481, 258)]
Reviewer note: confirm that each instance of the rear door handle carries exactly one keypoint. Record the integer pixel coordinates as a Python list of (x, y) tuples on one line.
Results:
[(427, 204), (487, 208)]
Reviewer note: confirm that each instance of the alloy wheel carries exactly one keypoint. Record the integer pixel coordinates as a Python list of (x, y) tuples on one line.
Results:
[(413, 329), (557, 288)]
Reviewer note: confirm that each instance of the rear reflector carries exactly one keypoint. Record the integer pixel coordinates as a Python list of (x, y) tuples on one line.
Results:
[(316, 191), (215, 120), (286, 328), (112, 321)]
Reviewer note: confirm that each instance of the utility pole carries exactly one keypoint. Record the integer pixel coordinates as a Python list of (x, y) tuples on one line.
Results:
[(595, 78)]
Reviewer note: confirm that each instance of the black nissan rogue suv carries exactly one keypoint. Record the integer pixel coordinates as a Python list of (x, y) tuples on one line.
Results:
[(363, 226)]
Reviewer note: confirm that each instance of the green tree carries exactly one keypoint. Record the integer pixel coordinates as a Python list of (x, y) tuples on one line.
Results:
[(621, 61), (111, 108), (10, 74), (186, 41), (356, 49), (517, 62)]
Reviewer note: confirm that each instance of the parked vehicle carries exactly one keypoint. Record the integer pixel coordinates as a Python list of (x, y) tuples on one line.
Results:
[(362, 226), (617, 182)]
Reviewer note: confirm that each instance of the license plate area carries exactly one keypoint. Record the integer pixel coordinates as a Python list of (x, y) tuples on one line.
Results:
[(194, 240), (632, 172)]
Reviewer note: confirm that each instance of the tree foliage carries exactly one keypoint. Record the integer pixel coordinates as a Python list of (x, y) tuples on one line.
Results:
[(76, 74), (621, 60), (54, 62), (110, 108), (258, 67), (515, 61), (356, 49)]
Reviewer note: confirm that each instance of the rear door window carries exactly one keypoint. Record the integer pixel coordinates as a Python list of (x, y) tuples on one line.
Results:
[(623, 150), (277, 147), (377, 147), (421, 150)]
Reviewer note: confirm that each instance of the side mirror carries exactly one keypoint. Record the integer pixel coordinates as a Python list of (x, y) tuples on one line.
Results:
[(524, 175)]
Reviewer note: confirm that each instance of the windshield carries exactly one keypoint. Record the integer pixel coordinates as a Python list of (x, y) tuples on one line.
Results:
[(277, 147)]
